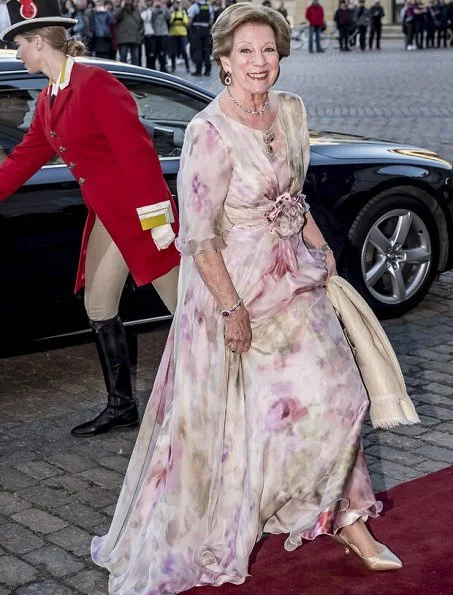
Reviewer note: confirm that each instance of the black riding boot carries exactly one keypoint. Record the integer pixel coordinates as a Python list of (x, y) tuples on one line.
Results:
[(121, 410)]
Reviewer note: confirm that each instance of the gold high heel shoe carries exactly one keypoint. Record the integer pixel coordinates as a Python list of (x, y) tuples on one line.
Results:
[(385, 560)]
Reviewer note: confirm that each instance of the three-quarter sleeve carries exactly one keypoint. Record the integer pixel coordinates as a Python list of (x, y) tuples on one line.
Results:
[(203, 181), (305, 139)]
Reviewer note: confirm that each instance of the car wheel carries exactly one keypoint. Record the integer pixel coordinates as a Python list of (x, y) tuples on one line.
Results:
[(393, 252)]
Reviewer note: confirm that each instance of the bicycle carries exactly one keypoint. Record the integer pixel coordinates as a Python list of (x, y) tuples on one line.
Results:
[(300, 37)]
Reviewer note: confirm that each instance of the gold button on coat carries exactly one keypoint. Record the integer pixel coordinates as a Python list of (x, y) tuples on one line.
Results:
[(72, 165), (81, 181), (62, 149), (53, 134)]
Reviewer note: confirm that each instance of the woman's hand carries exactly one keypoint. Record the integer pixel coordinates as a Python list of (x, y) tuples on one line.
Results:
[(238, 333), (330, 264)]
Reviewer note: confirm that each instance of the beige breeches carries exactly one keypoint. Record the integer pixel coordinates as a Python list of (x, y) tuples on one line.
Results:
[(106, 273)]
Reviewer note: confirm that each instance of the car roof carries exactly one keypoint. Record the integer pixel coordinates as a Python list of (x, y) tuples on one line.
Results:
[(9, 63)]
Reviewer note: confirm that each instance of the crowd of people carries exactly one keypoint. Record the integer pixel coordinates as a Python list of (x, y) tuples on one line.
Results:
[(156, 32), (160, 30), (425, 25), (151, 33), (165, 33)]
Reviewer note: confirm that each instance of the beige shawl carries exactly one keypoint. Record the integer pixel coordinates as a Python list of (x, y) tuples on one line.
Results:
[(390, 404)]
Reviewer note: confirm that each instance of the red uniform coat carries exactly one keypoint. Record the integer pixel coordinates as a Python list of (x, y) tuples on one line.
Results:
[(93, 125)]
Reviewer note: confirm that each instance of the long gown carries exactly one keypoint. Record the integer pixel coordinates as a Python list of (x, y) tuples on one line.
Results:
[(233, 445)]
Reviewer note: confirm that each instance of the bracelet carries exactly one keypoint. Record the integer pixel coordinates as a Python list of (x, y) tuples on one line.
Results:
[(230, 311), (325, 248)]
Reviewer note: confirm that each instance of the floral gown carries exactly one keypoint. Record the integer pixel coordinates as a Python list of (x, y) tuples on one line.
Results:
[(233, 445)]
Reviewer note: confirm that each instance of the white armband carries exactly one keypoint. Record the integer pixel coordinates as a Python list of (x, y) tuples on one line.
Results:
[(158, 219), (153, 216)]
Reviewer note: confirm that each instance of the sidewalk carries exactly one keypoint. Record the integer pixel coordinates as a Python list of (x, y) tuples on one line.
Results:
[(57, 491)]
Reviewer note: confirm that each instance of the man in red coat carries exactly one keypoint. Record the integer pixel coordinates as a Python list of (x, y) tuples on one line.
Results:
[(315, 17), (91, 121)]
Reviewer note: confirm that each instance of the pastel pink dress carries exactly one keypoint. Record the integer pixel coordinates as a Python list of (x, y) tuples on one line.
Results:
[(233, 445)]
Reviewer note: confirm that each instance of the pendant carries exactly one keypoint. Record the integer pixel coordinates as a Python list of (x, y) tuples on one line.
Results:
[(269, 137)]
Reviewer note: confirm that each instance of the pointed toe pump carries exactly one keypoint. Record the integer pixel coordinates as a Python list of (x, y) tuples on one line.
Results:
[(383, 560)]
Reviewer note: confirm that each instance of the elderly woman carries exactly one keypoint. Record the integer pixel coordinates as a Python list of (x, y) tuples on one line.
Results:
[(254, 423)]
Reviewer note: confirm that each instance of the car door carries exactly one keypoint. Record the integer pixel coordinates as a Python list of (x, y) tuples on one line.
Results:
[(40, 231), (165, 109)]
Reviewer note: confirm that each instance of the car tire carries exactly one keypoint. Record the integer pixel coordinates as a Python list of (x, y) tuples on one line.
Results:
[(393, 252)]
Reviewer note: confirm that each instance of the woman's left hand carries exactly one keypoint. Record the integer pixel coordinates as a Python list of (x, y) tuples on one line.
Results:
[(330, 264)]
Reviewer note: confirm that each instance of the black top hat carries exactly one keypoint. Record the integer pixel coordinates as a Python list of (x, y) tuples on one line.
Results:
[(26, 15)]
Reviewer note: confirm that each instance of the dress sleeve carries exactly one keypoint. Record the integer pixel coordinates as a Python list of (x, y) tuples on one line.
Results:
[(203, 182), (305, 139)]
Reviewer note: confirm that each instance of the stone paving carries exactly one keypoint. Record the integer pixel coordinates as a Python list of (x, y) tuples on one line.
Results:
[(392, 94), (56, 491)]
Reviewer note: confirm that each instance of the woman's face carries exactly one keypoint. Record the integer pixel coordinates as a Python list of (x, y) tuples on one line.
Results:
[(254, 60), (28, 53)]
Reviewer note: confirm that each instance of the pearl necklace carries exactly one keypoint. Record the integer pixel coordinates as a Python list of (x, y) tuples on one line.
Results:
[(247, 109)]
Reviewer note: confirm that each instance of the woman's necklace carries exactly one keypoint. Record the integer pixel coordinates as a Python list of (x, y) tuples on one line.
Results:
[(247, 109)]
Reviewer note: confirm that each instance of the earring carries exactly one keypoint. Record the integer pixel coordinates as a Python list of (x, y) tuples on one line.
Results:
[(227, 80)]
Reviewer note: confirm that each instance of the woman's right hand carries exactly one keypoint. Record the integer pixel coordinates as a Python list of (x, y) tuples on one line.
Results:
[(238, 333)]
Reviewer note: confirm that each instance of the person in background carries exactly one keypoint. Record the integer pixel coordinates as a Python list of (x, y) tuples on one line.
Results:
[(130, 29), (403, 23), (450, 20), (68, 10), (409, 24), (440, 16), (216, 10), (4, 24), (343, 21), (362, 18), (109, 7), (377, 13), (90, 8), (429, 24), (314, 15), (282, 10), (146, 11), (420, 24), (201, 16), (160, 17), (101, 21), (179, 22), (80, 29)]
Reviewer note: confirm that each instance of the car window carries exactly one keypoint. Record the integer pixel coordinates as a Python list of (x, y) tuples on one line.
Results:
[(165, 112), (17, 106)]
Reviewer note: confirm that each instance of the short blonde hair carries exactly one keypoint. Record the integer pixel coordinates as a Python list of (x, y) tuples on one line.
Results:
[(57, 38), (242, 14)]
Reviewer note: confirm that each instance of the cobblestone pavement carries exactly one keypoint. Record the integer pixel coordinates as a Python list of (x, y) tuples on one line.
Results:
[(392, 94), (56, 491)]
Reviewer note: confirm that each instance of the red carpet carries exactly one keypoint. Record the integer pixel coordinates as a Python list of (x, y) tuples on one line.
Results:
[(417, 523)]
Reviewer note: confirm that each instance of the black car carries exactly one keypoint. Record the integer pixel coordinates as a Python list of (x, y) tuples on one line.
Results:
[(385, 208)]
